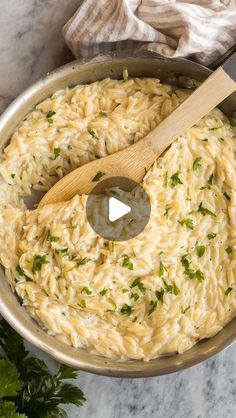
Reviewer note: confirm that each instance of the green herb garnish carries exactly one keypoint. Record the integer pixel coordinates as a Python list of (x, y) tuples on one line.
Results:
[(49, 116), (187, 222), (13, 175), (137, 282), (112, 302), (174, 180), (86, 290), (212, 235), (98, 176), (84, 261), (196, 163), (166, 213), (52, 238), (62, 253), (56, 152), (82, 304), (103, 292), (200, 250), (215, 128), (171, 288), (102, 114), (126, 309), (184, 310), (93, 134), (134, 296), (153, 306), (229, 250), (126, 262), (185, 262), (160, 295), (228, 291), (162, 269), (38, 261), (205, 211), (125, 290)]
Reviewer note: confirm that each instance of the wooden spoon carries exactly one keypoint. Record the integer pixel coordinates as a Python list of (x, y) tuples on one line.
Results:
[(134, 161)]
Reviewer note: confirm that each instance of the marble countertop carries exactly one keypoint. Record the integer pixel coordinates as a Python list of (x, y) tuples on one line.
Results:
[(31, 45)]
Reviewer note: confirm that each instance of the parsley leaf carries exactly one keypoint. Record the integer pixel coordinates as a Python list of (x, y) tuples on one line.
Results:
[(82, 304), (49, 116), (195, 274), (103, 292), (8, 410), (13, 175), (134, 296), (185, 262), (98, 176), (52, 238), (112, 302), (160, 295), (126, 309), (126, 262), (184, 310), (200, 250), (153, 306), (84, 261), (162, 269), (38, 261), (62, 253), (188, 222), (56, 152), (171, 288), (137, 282), (205, 211), (166, 213), (9, 377), (212, 235), (86, 290), (215, 128), (174, 180), (93, 134), (228, 291), (196, 163), (165, 184), (102, 114), (229, 250)]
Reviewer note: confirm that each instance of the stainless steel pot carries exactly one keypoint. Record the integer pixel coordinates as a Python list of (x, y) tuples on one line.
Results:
[(86, 71)]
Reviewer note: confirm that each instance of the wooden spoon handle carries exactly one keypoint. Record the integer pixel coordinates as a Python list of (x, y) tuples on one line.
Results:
[(212, 92)]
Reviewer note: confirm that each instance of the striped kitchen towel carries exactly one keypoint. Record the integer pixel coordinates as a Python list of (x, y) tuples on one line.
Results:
[(202, 30)]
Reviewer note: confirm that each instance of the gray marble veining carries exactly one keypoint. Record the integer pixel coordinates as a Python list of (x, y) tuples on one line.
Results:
[(31, 45)]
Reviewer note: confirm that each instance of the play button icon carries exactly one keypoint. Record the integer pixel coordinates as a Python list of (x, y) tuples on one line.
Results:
[(118, 209)]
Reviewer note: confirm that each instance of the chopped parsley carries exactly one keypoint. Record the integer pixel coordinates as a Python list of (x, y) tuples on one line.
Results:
[(56, 152), (125, 290), (82, 304), (103, 292), (162, 269), (126, 309), (195, 274), (212, 235), (228, 291), (137, 282), (160, 295), (153, 306), (184, 310), (84, 261), (98, 176), (196, 163), (134, 296), (62, 253), (232, 121), (102, 114), (167, 212), (205, 140), (114, 192), (127, 263), (86, 290), (20, 271), (13, 175), (187, 222), (165, 184), (174, 180), (200, 250), (210, 180), (205, 211), (49, 116), (173, 289), (93, 134), (226, 196), (229, 250), (185, 262), (38, 261), (52, 238)]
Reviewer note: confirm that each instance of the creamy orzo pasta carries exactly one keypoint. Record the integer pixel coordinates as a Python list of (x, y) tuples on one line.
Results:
[(157, 293)]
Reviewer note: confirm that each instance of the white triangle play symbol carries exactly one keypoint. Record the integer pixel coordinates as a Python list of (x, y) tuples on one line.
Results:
[(117, 209)]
